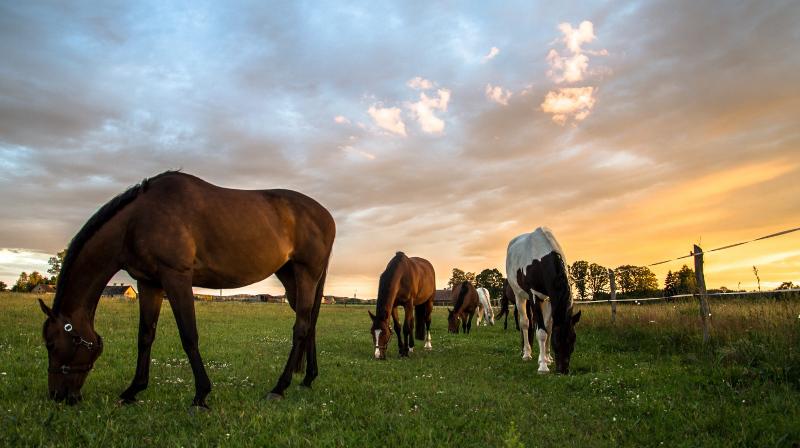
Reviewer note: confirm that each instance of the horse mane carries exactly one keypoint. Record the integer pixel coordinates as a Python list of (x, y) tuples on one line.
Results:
[(461, 294), (562, 303), (100, 217), (385, 284)]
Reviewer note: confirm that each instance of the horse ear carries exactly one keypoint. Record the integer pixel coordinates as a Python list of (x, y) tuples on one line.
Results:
[(47, 311), (371, 316), (576, 317)]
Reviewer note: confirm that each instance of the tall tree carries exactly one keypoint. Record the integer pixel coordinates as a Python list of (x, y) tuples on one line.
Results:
[(644, 279), (686, 282), (492, 280), (459, 276), (35, 278), (22, 283), (56, 263), (597, 279), (671, 284), (625, 278), (578, 273)]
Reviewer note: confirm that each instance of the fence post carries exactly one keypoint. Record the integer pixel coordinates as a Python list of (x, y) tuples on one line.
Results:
[(613, 296), (705, 311)]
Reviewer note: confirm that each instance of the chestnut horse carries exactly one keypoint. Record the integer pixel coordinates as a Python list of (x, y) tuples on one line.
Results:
[(411, 283), (465, 298), (537, 270), (174, 231)]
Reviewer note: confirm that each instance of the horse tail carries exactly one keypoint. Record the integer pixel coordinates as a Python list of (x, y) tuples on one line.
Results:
[(420, 317), (503, 306)]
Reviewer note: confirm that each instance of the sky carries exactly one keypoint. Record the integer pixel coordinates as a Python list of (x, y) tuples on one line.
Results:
[(443, 129)]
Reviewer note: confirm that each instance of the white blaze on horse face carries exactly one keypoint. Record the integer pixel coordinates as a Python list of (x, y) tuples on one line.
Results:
[(377, 344), (428, 345)]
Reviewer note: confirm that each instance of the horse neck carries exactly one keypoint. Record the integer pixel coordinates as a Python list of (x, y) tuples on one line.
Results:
[(387, 293), (96, 263)]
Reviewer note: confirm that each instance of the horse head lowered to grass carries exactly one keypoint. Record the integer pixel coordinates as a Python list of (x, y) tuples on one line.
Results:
[(536, 269), (407, 282), (174, 231)]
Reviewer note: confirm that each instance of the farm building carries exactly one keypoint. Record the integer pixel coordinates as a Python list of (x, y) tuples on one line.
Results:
[(269, 298), (442, 297), (120, 291), (41, 288)]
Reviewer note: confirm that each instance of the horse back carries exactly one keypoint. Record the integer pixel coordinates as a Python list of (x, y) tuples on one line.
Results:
[(220, 233), (419, 280)]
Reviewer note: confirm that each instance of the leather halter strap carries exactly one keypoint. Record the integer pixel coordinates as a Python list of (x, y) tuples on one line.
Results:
[(78, 341)]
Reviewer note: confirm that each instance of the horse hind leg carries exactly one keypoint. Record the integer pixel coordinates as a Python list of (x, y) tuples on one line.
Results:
[(429, 312), (311, 344), (150, 298), (305, 298)]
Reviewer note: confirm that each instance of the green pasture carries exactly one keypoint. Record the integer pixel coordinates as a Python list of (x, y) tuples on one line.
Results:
[(644, 381)]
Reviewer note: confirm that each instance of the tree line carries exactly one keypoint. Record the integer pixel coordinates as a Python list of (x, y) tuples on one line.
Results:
[(590, 281), (26, 282)]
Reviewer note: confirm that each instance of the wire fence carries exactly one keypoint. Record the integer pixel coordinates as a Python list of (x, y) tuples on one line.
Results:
[(728, 246), (684, 296)]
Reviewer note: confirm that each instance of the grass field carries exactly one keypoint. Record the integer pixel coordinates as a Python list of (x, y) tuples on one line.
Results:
[(645, 381)]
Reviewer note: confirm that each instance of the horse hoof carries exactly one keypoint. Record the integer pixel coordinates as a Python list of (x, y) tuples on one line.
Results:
[(126, 401), (201, 408), (411, 350), (272, 396), (527, 358)]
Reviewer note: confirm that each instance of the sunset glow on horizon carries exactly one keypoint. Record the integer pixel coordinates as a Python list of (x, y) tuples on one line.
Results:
[(632, 130)]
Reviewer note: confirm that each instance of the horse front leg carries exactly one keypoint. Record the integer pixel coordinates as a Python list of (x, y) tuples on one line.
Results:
[(398, 330), (524, 325), (181, 299), (408, 327), (150, 298)]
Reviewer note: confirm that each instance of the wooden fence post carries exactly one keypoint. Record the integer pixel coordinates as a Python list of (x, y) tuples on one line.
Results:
[(705, 311), (613, 296)]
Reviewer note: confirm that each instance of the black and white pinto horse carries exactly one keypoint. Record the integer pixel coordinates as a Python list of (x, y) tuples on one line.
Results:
[(537, 270)]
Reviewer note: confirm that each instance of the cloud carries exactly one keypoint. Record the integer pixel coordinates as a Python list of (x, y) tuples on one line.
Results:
[(388, 118), (574, 38), (340, 119), (573, 67), (566, 69), (419, 83), (498, 94), (570, 102), (351, 150), (423, 111), (491, 55)]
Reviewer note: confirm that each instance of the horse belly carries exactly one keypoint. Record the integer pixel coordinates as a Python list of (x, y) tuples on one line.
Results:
[(237, 266)]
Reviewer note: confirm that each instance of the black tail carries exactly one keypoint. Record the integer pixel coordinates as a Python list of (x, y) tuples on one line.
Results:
[(420, 318)]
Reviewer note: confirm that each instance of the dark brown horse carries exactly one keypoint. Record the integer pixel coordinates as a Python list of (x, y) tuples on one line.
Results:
[(411, 283), (465, 299), (175, 231)]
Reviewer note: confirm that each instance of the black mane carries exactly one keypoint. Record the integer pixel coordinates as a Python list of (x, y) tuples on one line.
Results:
[(461, 294), (562, 302), (102, 216), (385, 284)]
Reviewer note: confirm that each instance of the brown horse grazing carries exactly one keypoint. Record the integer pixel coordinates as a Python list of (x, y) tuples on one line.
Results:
[(175, 231), (465, 297), (411, 283)]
